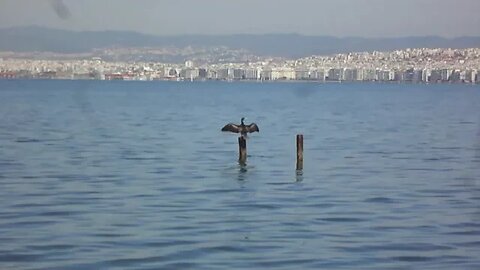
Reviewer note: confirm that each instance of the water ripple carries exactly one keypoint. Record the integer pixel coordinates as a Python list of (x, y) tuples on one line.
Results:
[(108, 175)]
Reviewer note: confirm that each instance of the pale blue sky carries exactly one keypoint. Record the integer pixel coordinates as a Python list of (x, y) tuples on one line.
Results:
[(365, 18)]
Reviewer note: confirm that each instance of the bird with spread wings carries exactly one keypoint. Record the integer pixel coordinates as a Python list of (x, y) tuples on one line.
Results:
[(242, 128)]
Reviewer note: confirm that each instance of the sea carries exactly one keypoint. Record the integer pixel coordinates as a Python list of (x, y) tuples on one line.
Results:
[(138, 175)]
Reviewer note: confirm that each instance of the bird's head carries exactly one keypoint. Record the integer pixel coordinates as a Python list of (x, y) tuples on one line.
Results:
[(241, 121)]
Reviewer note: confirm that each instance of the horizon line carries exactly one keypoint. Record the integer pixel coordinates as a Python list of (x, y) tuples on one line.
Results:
[(233, 34)]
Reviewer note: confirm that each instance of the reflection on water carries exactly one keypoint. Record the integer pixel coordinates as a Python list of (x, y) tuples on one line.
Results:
[(109, 175), (242, 172), (299, 175)]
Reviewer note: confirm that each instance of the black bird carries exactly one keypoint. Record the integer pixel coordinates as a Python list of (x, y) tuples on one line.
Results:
[(242, 128)]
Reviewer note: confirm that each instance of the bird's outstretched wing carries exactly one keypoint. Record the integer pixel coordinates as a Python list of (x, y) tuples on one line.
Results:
[(231, 127), (252, 128)]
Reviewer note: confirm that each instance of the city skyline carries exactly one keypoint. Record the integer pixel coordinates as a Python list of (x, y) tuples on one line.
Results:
[(363, 18), (410, 65)]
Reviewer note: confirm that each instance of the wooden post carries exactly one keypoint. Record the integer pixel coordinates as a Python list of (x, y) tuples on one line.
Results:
[(242, 150), (299, 152)]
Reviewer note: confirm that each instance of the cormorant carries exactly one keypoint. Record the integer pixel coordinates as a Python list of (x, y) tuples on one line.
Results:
[(242, 128)]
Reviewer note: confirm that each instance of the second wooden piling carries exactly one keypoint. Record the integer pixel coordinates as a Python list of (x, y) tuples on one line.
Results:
[(299, 152), (242, 150)]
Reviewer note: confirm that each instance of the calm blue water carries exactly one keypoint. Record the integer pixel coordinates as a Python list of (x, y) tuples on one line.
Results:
[(137, 175)]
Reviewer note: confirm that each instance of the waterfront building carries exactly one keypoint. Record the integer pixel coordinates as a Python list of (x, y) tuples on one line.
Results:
[(463, 75), (360, 74), (230, 73), (398, 75), (302, 74), (159, 73), (369, 75), (435, 76), (335, 74), (277, 74), (425, 75), (445, 74), (318, 74), (251, 74), (171, 73), (266, 74), (408, 75), (212, 74), (383, 75), (190, 73), (475, 77), (283, 73), (454, 76), (238, 74), (468, 76), (202, 73), (350, 74), (417, 76), (222, 74)]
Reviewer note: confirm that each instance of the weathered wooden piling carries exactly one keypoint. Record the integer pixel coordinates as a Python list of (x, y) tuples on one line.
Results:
[(299, 152), (242, 150)]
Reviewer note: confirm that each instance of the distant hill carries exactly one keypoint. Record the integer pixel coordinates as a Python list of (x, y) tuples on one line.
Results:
[(33, 38)]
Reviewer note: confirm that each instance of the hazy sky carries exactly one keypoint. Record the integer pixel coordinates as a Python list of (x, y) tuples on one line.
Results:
[(366, 18)]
